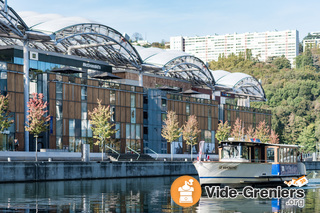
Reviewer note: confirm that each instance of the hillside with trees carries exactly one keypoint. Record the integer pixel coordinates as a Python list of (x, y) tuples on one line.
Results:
[(293, 95)]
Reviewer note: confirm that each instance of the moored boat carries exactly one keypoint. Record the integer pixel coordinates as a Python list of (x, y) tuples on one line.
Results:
[(251, 163)]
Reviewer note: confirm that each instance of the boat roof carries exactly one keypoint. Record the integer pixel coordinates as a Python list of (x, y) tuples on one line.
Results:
[(261, 144)]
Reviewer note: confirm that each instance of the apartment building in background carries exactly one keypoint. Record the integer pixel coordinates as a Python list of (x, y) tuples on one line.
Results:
[(262, 45), (311, 41)]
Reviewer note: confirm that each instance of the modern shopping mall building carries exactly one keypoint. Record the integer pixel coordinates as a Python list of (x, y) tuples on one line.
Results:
[(74, 62)]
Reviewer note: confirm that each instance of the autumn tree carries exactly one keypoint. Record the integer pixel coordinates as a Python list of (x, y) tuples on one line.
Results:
[(223, 131), (4, 113), (101, 125), (37, 121), (250, 132), (236, 132), (190, 131), (262, 132), (170, 130), (274, 137)]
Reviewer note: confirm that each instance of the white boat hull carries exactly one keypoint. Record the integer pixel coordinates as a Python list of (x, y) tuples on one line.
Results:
[(234, 173)]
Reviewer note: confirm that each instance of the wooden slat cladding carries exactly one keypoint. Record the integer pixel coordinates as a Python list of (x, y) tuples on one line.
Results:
[(89, 94), (77, 110), (11, 81), (101, 96), (95, 95), (12, 101), (19, 102), (107, 97), (77, 93), (15, 67), (52, 90), (19, 83)]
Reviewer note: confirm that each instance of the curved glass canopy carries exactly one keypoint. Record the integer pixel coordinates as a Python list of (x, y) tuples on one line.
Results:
[(176, 64), (240, 83), (82, 37)]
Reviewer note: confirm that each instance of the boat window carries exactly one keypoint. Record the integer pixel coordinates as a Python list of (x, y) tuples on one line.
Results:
[(235, 152), (270, 155), (281, 155), (295, 156), (256, 154), (229, 152), (245, 152)]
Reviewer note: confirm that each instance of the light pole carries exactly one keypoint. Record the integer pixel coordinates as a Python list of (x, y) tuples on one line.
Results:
[(30, 36), (26, 88)]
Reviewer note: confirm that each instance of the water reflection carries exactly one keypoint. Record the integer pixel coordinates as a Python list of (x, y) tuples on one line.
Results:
[(111, 195), (134, 195)]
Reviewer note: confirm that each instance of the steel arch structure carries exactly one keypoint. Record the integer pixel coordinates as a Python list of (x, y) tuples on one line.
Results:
[(189, 68), (110, 46), (250, 85), (11, 24), (95, 41)]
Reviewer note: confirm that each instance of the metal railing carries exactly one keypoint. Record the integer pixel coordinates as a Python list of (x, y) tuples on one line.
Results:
[(134, 151), (152, 151), (114, 151)]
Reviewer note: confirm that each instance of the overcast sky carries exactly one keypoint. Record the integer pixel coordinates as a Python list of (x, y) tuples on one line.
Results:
[(160, 19)]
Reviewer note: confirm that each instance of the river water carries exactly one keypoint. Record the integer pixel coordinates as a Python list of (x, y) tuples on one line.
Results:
[(136, 195)]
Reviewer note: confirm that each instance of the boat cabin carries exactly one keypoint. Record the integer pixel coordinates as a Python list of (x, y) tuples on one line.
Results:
[(241, 151)]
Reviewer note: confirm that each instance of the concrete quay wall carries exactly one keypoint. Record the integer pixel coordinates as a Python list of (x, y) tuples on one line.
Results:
[(312, 165), (47, 171)]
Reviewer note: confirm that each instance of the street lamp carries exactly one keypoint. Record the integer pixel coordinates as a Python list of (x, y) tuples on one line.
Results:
[(33, 36)]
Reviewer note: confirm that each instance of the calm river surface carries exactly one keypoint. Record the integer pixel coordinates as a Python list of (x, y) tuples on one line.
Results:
[(134, 195)]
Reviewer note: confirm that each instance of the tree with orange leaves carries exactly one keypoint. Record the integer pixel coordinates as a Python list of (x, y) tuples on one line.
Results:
[(37, 121), (190, 131)]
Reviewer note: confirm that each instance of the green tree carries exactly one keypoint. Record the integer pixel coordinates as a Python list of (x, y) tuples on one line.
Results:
[(37, 121), (170, 130), (307, 139), (223, 131), (304, 60), (4, 113), (190, 131), (281, 62), (101, 125)]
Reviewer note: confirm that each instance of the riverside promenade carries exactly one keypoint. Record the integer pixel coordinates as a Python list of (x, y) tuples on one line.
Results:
[(22, 167)]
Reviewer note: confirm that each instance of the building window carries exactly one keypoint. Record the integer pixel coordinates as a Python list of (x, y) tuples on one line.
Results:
[(113, 112), (164, 102), (59, 127), (133, 100), (145, 115), (133, 115), (145, 100), (84, 124), (187, 108), (138, 131), (84, 114), (59, 109), (59, 91), (118, 130), (128, 131), (83, 93), (145, 130), (112, 97)]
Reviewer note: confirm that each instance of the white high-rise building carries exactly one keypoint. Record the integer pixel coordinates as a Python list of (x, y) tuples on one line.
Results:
[(312, 42), (262, 45)]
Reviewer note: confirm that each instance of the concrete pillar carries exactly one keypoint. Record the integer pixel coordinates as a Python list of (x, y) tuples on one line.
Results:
[(140, 79)]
